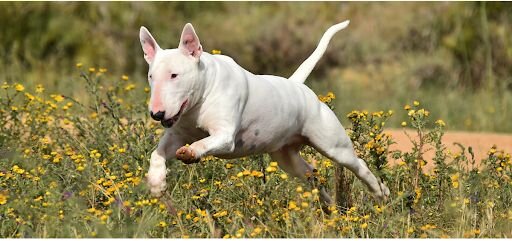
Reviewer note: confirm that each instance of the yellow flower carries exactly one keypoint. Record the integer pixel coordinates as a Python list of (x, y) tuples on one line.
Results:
[(17, 169), (416, 103), (404, 124), (256, 231), (5, 85), (129, 87), (19, 87), (455, 180), (257, 174), (331, 95), (364, 225), (29, 96), (455, 177), (378, 209), (292, 205), (407, 107), (201, 212), (284, 176), (92, 69), (440, 123), (220, 214), (79, 65), (3, 199), (271, 169), (299, 189), (162, 224), (57, 98)]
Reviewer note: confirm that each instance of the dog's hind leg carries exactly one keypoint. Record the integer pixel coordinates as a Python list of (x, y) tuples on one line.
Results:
[(289, 159), (326, 134), (166, 150)]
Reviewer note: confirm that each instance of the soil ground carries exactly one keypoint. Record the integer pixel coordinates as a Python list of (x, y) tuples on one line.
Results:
[(481, 142)]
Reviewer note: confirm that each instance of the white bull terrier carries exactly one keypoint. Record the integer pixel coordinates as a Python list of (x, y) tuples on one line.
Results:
[(225, 111)]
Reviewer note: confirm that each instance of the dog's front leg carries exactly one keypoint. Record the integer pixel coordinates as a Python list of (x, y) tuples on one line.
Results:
[(166, 150), (217, 143)]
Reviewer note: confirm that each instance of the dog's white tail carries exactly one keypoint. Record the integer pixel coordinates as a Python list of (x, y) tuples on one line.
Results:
[(307, 66)]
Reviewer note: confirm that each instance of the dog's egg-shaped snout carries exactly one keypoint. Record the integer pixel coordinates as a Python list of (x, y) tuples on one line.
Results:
[(158, 116)]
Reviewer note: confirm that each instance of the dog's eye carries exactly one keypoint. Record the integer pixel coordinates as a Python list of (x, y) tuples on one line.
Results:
[(173, 76)]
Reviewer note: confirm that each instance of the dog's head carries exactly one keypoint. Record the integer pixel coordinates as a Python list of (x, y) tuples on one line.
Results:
[(173, 74)]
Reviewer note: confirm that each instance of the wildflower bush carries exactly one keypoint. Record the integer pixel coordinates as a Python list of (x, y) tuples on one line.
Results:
[(76, 169)]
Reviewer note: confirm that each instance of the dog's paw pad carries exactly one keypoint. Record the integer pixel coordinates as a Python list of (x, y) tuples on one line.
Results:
[(187, 155)]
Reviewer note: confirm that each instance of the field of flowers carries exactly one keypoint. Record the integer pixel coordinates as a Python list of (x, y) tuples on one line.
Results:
[(76, 168)]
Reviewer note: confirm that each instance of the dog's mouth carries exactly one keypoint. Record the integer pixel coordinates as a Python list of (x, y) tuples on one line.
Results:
[(168, 123)]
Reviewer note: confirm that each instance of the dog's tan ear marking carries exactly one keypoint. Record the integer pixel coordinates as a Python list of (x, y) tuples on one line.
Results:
[(189, 42), (149, 45)]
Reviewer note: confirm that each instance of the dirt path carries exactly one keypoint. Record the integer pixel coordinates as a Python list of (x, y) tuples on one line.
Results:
[(481, 142)]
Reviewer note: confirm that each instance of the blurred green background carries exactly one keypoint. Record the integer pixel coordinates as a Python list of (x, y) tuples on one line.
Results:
[(456, 58)]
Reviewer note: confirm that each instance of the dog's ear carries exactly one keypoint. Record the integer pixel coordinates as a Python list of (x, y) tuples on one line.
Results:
[(189, 42), (149, 45)]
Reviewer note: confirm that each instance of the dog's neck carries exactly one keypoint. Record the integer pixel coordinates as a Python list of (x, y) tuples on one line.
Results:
[(206, 80), (204, 84)]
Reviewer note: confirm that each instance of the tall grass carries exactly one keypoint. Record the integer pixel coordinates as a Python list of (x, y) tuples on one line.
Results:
[(77, 169)]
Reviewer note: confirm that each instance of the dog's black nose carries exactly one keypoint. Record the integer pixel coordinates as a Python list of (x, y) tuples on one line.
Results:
[(158, 116)]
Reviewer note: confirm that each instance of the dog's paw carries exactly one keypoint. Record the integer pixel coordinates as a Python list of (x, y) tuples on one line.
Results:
[(384, 189), (156, 182), (158, 191), (383, 193), (187, 155)]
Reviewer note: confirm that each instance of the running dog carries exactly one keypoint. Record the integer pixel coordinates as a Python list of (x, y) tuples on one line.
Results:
[(225, 111)]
